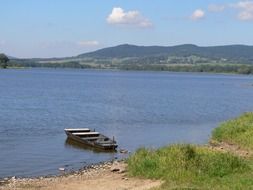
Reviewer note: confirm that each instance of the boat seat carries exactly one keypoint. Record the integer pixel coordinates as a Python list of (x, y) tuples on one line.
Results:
[(92, 138), (86, 134), (78, 130)]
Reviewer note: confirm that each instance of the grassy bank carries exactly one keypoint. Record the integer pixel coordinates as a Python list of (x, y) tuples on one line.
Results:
[(200, 167), (237, 131)]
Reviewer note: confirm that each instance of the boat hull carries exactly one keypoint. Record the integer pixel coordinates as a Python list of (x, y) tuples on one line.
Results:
[(95, 144)]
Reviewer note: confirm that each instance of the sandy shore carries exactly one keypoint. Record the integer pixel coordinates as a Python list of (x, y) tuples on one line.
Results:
[(106, 176)]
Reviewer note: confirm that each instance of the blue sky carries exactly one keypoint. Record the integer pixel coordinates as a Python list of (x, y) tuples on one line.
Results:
[(56, 28)]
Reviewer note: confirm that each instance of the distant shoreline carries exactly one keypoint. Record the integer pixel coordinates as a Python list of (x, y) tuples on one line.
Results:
[(172, 69)]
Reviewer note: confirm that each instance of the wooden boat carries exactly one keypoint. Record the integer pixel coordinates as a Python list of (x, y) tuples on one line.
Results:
[(91, 138)]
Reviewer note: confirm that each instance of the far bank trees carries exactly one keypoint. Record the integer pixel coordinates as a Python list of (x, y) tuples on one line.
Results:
[(3, 61)]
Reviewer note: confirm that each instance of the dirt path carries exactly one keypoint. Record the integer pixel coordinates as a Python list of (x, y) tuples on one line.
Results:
[(101, 178)]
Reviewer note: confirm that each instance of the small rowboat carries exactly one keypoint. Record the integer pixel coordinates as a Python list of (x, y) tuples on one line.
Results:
[(91, 138)]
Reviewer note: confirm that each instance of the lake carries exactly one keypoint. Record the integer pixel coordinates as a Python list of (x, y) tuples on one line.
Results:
[(150, 109)]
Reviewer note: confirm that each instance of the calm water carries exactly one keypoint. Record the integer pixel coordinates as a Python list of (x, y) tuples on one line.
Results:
[(139, 108)]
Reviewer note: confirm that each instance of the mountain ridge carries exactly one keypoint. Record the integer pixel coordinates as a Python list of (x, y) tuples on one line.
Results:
[(236, 51)]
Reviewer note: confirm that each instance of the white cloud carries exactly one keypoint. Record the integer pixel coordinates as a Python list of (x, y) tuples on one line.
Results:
[(216, 8), (131, 18), (88, 43), (245, 15), (198, 14), (246, 10)]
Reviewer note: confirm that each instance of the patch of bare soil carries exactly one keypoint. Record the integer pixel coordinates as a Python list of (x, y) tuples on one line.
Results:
[(103, 177), (228, 147)]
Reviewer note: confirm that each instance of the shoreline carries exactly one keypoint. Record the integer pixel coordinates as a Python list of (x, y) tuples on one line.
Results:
[(94, 176), (134, 70), (107, 175), (63, 171), (233, 157)]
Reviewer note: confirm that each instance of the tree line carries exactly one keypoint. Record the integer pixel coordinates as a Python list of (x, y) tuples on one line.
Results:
[(209, 68), (3, 61)]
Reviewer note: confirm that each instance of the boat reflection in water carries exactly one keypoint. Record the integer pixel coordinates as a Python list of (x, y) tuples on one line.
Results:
[(70, 143)]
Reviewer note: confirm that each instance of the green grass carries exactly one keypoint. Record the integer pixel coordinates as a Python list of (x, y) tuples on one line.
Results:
[(200, 167), (187, 166), (237, 131)]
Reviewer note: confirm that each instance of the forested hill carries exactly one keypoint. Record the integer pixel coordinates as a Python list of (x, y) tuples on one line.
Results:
[(240, 53), (183, 58)]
